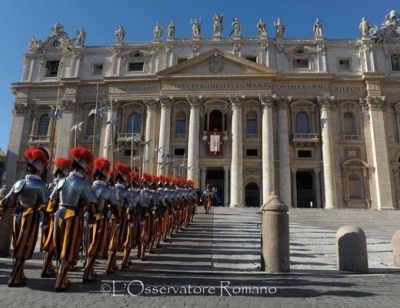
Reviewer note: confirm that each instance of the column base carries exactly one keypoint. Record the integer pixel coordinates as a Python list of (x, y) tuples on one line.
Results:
[(235, 205)]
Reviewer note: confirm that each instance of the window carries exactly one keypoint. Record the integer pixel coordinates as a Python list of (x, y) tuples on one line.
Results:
[(343, 64), (300, 63), (43, 125), (97, 69), (181, 126), (136, 67), (179, 152), (182, 59), (251, 123), (52, 68), (302, 126), (395, 63), (133, 123), (349, 124), (304, 154), (251, 58), (252, 152)]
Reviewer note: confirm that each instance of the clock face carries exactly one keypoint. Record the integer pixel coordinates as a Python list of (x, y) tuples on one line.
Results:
[(393, 34), (55, 42)]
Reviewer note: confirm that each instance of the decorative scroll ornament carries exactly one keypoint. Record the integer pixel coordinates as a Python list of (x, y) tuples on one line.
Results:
[(390, 29), (215, 65)]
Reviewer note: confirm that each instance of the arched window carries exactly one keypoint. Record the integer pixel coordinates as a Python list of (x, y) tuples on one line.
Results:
[(349, 124), (180, 124), (251, 123), (302, 125), (43, 125), (133, 124)]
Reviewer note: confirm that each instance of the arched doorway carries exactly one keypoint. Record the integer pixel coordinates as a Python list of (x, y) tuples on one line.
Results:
[(252, 195), (215, 121)]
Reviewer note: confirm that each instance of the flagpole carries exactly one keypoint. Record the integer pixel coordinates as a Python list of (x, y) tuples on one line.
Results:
[(54, 124), (94, 130)]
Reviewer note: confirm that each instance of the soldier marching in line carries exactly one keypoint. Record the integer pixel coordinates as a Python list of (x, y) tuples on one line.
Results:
[(63, 166), (28, 196), (74, 196)]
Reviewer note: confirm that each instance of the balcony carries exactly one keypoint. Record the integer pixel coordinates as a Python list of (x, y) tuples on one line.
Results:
[(39, 139), (351, 138), (305, 139), (122, 137)]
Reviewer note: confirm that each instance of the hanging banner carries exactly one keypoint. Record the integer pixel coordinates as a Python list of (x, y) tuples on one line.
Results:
[(214, 143)]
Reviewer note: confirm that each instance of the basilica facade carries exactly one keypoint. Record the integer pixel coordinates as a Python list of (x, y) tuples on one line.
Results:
[(315, 120)]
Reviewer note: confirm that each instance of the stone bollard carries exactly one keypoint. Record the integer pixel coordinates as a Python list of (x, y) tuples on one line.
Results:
[(275, 236), (351, 250), (396, 248)]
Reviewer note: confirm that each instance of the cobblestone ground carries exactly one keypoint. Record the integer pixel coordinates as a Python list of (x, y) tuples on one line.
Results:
[(215, 262)]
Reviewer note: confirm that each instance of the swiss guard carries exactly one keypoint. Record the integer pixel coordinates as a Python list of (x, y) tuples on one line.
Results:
[(74, 196), (27, 196)]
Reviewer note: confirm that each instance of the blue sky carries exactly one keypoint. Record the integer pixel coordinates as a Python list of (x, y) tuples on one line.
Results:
[(21, 19)]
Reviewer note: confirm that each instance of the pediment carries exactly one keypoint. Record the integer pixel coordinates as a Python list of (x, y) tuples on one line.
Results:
[(217, 63)]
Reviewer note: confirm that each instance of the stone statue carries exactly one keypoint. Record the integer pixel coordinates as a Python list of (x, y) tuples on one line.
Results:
[(279, 28), (196, 28), (391, 19), (364, 27), (262, 28), (237, 27), (119, 35), (57, 29), (34, 44), (317, 28), (218, 25), (157, 31), (81, 37), (171, 29)]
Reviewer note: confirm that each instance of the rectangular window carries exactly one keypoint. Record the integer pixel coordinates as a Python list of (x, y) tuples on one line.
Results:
[(136, 67), (343, 64), (52, 68), (97, 69), (251, 126), (252, 152), (179, 152), (181, 126), (395, 63), (300, 63), (251, 58), (304, 154)]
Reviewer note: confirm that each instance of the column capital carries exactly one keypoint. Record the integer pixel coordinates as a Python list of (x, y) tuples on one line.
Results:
[(283, 101), (106, 103), (68, 104), (166, 101), (20, 108), (293, 169), (267, 101), (226, 168), (373, 102), (194, 100), (236, 100), (317, 169), (151, 103), (325, 101)]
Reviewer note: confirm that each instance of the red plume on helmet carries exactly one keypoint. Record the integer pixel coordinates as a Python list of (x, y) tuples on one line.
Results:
[(101, 165), (189, 183), (81, 157), (135, 177), (122, 171), (36, 158), (63, 165)]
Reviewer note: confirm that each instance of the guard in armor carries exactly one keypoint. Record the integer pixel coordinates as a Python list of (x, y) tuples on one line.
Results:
[(105, 197), (27, 196), (119, 234), (207, 197), (63, 166), (145, 216), (74, 196)]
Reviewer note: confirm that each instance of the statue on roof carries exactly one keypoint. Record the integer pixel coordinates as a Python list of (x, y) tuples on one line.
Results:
[(390, 29), (364, 27), (119, 35), (262, 28), (279, 28)]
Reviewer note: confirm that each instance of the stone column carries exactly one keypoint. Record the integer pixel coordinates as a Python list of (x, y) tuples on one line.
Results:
[(108, 149), (268, 169), (165, 132), (327, 151), (294, 187), (285, 191), (203, 176), (236, 189), (151, 105), (380, 154), (194, 131), (317, 185), (67, 122), (226, 185)]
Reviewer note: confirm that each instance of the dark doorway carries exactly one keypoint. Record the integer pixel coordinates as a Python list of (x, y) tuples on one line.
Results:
[(252, 195), (305, 191), (215, 121), (216, 179)]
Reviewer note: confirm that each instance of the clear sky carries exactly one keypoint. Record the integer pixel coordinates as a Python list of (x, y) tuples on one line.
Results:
[(21, 19)]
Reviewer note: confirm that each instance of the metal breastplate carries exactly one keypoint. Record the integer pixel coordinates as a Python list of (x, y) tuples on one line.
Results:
[(32, 192), (121, 194), (147, 196), (104, 195), (71, 189)]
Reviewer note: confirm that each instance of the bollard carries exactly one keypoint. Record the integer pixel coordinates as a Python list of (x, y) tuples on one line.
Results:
[(396, 248), (351, 250), (275, 236)]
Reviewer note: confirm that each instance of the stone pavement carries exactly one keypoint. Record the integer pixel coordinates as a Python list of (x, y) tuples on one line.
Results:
[(215, 262)]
